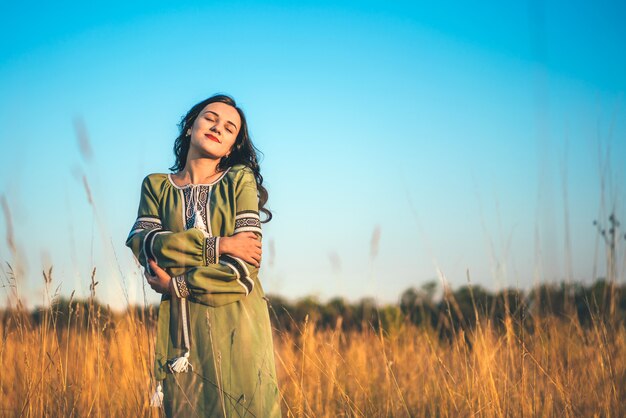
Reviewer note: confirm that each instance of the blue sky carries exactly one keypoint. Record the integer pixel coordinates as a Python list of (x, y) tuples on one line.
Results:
[(461, 132)]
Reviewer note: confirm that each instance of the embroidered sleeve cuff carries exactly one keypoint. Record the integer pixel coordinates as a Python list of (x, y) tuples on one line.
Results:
[(180, 287), (211, 250), (143, 223), (148, 250), (248, 220), (238, 266)]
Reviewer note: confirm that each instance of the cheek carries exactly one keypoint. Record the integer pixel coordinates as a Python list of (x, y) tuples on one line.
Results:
[(230, 140), (198, 124)]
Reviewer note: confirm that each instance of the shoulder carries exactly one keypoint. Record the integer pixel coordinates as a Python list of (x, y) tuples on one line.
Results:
[(241, 172), (154, 183), (241, 168)]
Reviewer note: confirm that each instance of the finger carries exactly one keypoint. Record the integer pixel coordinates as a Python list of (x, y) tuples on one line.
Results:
[(155, 267), (251, 260), (158, 271), (251, 236), (154, 282), (254, 259)]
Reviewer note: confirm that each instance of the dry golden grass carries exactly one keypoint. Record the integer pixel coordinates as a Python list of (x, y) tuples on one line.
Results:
[(561, 370), (103, 369)]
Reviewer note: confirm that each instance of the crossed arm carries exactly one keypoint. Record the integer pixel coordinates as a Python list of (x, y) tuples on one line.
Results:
[(189, 263), (243, 245)]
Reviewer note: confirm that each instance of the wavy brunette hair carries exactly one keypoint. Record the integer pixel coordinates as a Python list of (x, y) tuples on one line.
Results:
[(243, 151)]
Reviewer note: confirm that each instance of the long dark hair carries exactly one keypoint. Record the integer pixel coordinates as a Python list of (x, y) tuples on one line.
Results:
[(243, 151)]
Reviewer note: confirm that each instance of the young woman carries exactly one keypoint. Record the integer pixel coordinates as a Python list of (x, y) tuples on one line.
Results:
[(198, 236)]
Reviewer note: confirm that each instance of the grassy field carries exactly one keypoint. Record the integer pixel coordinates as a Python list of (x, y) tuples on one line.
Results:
[(81, 360)]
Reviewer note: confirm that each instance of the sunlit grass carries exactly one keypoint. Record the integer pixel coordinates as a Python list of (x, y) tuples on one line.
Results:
[(78, 359)]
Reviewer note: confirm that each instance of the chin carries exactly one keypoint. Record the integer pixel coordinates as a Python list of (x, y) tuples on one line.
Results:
[(204, 153)]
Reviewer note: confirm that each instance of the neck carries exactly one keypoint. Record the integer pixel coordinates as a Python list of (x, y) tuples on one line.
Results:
[(198, 170)]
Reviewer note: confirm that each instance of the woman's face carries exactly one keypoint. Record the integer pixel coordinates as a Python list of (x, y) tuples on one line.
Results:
[(215, 130)]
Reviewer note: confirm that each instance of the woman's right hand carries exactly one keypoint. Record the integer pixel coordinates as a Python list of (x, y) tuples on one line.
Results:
[(245, 245)]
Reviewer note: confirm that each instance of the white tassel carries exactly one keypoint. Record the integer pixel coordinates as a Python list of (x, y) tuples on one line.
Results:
[(157, 398), (181, 364), (198, 222)]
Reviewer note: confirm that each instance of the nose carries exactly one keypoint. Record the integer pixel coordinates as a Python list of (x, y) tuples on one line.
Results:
[(215, 129)]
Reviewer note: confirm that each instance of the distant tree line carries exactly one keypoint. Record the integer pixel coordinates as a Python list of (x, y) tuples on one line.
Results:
[(417, 306), (459, 308)]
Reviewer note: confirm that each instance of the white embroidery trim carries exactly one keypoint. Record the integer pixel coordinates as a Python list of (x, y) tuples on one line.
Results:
[(149, 219), (183, 308), (154, 238), (175, 286), (169, 177), (248, 215), (143, 219), (208, 204), (236, 271), (248, 228)]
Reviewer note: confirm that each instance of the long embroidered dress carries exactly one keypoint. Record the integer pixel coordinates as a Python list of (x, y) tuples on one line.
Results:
[(217, 320)]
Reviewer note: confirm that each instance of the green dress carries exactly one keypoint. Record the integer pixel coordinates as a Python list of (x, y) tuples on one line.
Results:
[(214, 354)]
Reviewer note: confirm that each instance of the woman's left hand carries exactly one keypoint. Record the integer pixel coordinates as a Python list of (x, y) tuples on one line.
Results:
[(161, 282)]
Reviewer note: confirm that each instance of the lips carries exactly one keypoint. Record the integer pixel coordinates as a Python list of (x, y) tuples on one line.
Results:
[(212, 138)]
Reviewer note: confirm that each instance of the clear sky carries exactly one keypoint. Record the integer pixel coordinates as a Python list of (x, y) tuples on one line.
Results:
[(399, 140)]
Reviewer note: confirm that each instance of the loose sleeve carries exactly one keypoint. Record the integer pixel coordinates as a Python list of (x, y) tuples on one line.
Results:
[(232, 278), (147, 238)]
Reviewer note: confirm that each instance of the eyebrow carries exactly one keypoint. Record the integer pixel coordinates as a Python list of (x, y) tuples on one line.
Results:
[(217, 114)]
